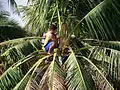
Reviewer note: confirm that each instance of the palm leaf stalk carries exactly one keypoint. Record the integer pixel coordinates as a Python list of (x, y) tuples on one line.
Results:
[(53, 79)]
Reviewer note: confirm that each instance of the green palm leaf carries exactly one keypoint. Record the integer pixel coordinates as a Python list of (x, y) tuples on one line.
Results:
[(14, 74), (102, 82), (10, 78), (24, 83), (75, 79), (17, 52), (13, 77), (108, 44), (18, 41), (14, 5), (107, 60), (96, 23), (23, 49)]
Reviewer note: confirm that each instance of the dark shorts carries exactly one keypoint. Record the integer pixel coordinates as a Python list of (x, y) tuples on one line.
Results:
[(47, 46)]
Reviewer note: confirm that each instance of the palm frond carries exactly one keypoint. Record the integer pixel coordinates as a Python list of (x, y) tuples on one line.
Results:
[(10, 43), (108, 44), (24, 83), (13, 3), (97, 75), (19, 51), (39, 10), (107, 60), (41, 13), (99, 22), (52, 78), (4, 15), (13, 77), (10, 78), (75, 79), (18, 41)]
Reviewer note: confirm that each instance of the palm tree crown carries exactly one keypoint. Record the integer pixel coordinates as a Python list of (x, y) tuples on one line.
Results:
[(89, 35)]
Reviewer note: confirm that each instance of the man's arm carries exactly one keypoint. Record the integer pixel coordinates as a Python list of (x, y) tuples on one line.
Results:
[(52, 37)]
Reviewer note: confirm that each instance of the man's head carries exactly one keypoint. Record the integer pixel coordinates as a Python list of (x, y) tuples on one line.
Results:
[(52, 28)]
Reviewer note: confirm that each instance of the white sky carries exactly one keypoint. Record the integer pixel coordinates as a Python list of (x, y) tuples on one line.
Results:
[(21, 2), (5, 7), (15, 16)]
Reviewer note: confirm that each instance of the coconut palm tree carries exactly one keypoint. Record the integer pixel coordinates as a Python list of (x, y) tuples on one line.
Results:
[(89, 42)]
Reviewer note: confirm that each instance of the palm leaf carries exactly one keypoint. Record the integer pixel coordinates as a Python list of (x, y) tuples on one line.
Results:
[(39, 13), (107, 60), (14, 74), (23, 84), (18, 41), (75, 79), (19, 51), (4, 15), (108, 44), (52, 79), (103, 56), (12, 2), (101, 80), (96, 23), (23, 49), (10, 43), (10, 78)]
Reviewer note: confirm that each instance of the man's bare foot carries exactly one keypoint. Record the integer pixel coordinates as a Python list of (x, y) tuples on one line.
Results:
[(48, 53)]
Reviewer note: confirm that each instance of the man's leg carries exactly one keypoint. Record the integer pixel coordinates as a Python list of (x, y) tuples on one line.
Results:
[(52, 46)]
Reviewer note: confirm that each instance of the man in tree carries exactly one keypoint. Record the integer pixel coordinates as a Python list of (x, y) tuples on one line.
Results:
[(50, 39)]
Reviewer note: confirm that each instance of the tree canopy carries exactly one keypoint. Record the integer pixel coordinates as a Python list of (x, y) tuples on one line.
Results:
[(89, 43)]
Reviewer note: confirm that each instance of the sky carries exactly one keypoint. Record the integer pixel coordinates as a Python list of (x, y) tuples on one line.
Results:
[(21, 2), (15, 16), (5, 7)]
